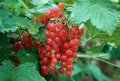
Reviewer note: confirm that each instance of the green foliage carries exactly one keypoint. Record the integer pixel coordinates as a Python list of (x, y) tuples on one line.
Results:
[(5, 70), (65, 1), (27, 55), (1, 0), (24, 72), (40, 37), (33, 30), (41, 5), (96, 72), (7, 22), (101, 14), (95, 33), (28, 3), (96, 49), (76, 70), (23, 23), (36, 15), (5, 48)]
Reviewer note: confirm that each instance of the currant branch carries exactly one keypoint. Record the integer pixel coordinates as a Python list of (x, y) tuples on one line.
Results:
[(98, 57), (92, 56)]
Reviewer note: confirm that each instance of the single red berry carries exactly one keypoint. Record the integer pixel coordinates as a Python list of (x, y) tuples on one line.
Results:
[(54, 61), (45, 60), (69, 60), (43, 73), (64, 58), (48, 48), (61, 70), (69, 67), (63, 64), (25, 34), (61, 6), (58, 56), (57, 40), (49, 41), (51, 27), (44, 68), (68, 52), (68, 73), (67, 45), (52, 69)]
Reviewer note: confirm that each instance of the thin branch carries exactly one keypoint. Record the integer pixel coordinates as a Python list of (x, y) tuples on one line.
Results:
[(92, 56), (107, 62), (98, 57)]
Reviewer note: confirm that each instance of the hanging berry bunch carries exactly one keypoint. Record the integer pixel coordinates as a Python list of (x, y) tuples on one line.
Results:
[(61, 43)]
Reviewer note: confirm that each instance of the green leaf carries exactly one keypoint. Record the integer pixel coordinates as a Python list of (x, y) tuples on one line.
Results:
[(7, 22), (35, 15), (5, 70), (42, 5), (33, 30), (25, 72), (27, 55), (101, 13), (28, 3), (76, 69), (1, 1), (64, 1), (96, 72), (63, 77), (96, 49), (95, 33), (5, 48), (40, 37), (23, 23)]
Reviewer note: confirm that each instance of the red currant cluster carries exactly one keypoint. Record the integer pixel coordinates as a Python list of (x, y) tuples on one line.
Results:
[(26, 41), (61, 43), (61, 46), (53, 13)]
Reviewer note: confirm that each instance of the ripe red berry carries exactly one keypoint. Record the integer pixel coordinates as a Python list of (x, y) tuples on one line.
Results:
[(43, 73), (64, 58), (69, 67), (54, 61), (44, 68), (51, 27), (49, 41), (63, 64), (61, 70), (61, 6), (58, 56), (68, 52), (52, 69), (68, 73), (45, 60), (48, 48), (26, 34)]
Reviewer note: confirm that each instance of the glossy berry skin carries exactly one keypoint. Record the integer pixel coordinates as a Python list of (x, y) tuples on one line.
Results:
[(61, 70), (52, 69), (26, 41), (61, 6), (68, 73)]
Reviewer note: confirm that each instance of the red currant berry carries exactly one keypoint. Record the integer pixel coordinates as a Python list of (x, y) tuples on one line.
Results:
[(61, 6), (61, 70)]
